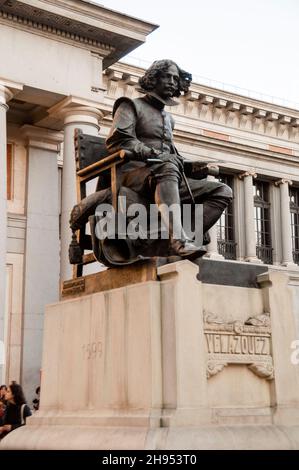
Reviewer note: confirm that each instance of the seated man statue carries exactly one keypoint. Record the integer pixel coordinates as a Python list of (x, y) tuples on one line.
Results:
[(155, 171), (143, 127)]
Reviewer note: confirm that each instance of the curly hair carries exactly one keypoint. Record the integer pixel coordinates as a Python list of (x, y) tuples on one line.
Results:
[(18, 394), (149, 80)]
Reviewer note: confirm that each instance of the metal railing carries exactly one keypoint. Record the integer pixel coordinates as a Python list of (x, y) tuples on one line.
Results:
[(296, 256), (227, 249), (265, 254)]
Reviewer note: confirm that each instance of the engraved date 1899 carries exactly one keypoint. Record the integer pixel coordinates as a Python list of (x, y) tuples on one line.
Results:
[(92, 350)]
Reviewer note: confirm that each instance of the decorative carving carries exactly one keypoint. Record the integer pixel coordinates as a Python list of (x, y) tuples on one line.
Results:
[(282, 130), (210, 317), (220, 103), (258, 120), (284, 181), (130, 79), (272, 116), (265, 370), (270, 128), (250, 172), (237, 342), (206, 99), (205, 111), (192, 96), (114, 75), (259, 320), (218, 114), (245, 121), (285, 119), (260, 113), (232, 114), (214, 367), (245, 110)]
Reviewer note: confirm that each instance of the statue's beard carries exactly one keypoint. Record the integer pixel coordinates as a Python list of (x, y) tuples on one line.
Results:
[(166, 101)]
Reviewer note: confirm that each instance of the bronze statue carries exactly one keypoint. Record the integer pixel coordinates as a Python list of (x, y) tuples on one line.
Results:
[(155, 173)]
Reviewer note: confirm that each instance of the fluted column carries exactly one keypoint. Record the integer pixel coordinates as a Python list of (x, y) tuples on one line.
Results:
[(250, 237), (5, 95), (85, 118), (285, 222), (212, 247)]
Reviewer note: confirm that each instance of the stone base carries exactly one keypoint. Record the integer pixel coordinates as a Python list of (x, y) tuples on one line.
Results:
[(170, 363), (82, 437), (112, 278)]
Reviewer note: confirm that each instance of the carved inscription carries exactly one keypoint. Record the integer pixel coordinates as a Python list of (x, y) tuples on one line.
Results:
[(92, 350), (235, 342)]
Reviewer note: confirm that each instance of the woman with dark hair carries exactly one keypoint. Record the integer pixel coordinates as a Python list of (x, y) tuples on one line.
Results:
[(3, 390), (16, 411)]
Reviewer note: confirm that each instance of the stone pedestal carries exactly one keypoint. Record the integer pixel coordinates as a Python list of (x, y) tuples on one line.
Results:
[(169, 363)]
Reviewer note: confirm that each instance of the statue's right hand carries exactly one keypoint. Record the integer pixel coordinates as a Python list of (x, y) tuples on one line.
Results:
[(172, 158)]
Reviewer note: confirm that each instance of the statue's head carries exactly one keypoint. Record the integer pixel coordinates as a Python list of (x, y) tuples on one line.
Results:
[(163, 71)]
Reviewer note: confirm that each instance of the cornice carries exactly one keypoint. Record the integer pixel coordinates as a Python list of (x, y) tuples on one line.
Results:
[(91, 11), (60, 34), (97, 28), (213, 105)]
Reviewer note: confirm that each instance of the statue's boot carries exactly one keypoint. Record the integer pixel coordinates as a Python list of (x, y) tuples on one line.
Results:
[(167, 198)]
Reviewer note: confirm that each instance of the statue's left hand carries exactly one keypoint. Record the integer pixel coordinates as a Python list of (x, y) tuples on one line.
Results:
[(200, 170)]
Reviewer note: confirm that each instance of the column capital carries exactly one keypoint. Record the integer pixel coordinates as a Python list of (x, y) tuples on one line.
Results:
[(250, 172), (42, 138), (284, 181), (7, 90), (5, 95), (79, 110)]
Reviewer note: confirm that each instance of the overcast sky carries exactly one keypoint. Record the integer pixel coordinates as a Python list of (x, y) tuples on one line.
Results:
[(251, 44)]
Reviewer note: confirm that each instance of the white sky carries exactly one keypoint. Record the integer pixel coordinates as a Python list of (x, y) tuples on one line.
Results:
[(252, 44)]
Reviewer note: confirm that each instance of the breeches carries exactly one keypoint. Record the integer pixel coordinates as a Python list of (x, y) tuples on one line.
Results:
[(143, 180)]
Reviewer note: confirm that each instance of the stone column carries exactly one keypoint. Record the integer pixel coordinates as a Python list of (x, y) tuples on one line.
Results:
[(250, 238), (5, 95), (85, 118), (212, 247), (41, 285), (285, 223)]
